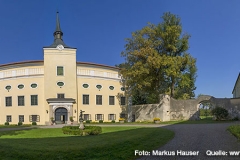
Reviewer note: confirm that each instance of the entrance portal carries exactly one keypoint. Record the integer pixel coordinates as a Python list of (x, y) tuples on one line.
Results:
[(61, 115)]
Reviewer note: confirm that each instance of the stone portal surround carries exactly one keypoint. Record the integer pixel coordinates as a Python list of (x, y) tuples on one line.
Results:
[(54, 106)]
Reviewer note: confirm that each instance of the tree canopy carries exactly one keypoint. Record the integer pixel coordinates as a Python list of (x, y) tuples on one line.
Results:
[(157, 62)]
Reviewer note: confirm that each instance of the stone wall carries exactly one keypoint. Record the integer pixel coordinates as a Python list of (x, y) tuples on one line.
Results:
[(171, 109)]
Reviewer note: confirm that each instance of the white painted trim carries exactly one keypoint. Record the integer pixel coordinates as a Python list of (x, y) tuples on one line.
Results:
[(95, 77), (87, 84), (110, 86), (19, 85), (33, 83), (57, 49), (29, 76), (60, 104), (62, 85), (63, 71), (100, 85)]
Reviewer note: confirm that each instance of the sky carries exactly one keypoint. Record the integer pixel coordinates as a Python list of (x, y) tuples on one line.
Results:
[(98, 29)]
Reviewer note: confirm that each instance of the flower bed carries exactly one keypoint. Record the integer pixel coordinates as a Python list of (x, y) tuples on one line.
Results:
[(88, 130)]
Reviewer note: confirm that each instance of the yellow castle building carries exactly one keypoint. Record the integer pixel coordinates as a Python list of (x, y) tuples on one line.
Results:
[(59, 87)]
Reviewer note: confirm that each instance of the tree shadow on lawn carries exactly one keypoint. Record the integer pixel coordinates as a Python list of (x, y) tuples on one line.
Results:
[(14, 131), (111, 145)]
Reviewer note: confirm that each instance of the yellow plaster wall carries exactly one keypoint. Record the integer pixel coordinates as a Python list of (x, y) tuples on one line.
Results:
[(67, 59), (92, 91), (27, 91)]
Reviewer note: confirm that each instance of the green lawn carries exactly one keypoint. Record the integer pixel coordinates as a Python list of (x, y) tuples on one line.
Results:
[(235, 130), (15, 126), (113, 143)]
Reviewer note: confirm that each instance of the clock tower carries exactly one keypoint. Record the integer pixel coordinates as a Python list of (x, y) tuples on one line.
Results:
[(60, 78)]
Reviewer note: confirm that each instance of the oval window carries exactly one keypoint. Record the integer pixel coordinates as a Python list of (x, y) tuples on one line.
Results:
[(8, 87), (111, 87), (122, 89), (99, 86), (60, 84), (20, 86), (85, 85), (34, 85)]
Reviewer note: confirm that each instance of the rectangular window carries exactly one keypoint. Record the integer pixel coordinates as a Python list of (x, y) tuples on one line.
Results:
[(34, 118), (98, 117), (8, 118), (8, 101), (60, 71), (20, 100), (123, 101), (123, 115), (60, 95), (111, 100), (85, 99), (86, 117), (99, 99), (21, 118), (112, 117), (34, 100)]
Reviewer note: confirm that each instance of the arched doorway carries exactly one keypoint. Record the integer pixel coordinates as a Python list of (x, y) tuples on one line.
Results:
[(61, 115)]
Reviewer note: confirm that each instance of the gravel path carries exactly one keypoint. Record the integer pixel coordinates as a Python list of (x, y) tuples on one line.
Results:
[(199, 137)]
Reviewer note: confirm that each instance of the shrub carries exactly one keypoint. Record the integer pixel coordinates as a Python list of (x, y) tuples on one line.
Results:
[(156, 119), (220, 113), (113, 121), (88, 121), (20, 123), (52, 119), (121, 119), (71, 118), (88, 130), (100, 121), (34, 123), (235, 119), (6, 123)]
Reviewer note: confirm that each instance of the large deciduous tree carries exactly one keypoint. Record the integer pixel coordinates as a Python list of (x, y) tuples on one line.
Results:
[(156, 62)]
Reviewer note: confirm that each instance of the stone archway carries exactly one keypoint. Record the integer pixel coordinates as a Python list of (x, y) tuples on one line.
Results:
[(66, 108), (61, 115)]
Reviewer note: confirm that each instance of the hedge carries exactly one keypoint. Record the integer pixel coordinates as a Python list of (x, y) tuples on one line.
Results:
[(88, 130)]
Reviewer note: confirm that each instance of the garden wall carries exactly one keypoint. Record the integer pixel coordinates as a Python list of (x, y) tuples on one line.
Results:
[(171, 109)]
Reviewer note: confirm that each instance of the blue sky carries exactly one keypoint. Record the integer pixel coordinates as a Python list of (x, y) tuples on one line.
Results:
[(98, 28)]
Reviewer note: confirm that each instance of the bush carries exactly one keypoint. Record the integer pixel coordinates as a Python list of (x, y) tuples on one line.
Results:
[(235, 119), (121, 119), (20, 123), (156, 119), (34, 123), (100, 121), (6, 123), (71, 118), (88, 121), (113, 121), (88, 130), (220, 113)]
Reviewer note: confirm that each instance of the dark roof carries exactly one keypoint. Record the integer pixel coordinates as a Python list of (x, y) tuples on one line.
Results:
[(61, 100), (22, 63), (58, 29), (41, 62), (58, 36), (100, 65), (236, 82)]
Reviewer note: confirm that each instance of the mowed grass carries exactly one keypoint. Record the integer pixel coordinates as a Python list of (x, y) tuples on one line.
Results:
[(113, 143), (15, 126), (235, 130)]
